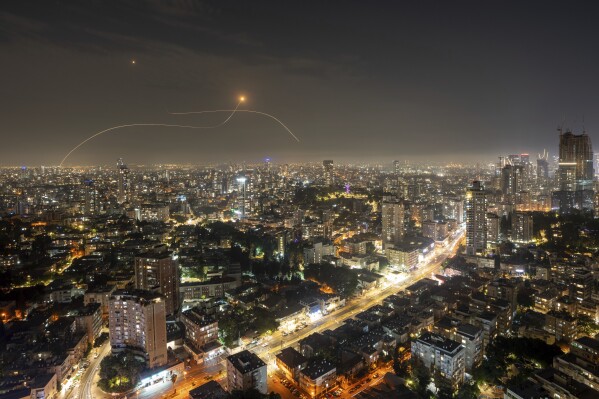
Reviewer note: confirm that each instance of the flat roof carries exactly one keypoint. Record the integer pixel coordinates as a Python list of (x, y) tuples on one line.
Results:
[(318, 368), (291, 357), (209, 390), (245, 361), (438, 341)]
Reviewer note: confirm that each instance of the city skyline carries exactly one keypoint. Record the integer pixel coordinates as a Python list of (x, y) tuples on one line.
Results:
[(217, 199), (475, 80)]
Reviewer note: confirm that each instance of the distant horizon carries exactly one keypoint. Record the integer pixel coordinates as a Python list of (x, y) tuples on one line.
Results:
[(446, 81), (387, 162)]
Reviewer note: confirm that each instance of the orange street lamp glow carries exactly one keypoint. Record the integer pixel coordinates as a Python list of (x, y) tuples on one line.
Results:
[(241, 99)]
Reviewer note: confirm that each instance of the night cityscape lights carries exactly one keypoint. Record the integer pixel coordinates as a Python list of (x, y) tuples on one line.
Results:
[(384, 209)]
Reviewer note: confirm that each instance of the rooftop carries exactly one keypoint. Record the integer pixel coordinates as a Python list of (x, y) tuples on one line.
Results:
[(440, 342), (209, 390), (245, 361), (291, 357), (101, 289), (318, 368), (88, 309), (197, 317), (469, 330), (137, 295)]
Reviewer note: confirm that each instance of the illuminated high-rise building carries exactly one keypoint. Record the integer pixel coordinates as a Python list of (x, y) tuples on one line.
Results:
[(396, 167), (575, 170), (124, 183), (158, 270), (329, 176), (137, 321), (575, 173), (476, 219), (522, 227), (543, 167), (268, 164), (511, 179), (242, 196), (90, 199), (493, 230), (393, 213)]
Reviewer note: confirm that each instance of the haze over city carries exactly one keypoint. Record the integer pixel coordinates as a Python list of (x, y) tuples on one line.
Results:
[(358, 83), (299, 200)]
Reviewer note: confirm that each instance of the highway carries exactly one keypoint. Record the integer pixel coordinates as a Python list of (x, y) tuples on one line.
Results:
[(197, 375)]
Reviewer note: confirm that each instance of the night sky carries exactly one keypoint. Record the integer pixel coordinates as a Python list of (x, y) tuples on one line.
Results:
[(355, 81)]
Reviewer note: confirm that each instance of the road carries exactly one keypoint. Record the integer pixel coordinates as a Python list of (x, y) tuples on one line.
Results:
[(90, 379), (86, 388), (335, 319), (357, 305), (197, 375), (193, 377)]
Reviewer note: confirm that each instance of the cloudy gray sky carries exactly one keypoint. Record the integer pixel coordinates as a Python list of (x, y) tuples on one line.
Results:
[(363, 81)]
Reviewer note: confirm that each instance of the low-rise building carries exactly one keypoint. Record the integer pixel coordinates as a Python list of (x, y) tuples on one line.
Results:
[(246, 371), (212, 288), (562, 325), (88, 320), (200, 329), (318, 377), (44, 386), (209, 390), (471, 337), (291, 363), (100, 295), (312, 344), (582, 363), (443, 356)]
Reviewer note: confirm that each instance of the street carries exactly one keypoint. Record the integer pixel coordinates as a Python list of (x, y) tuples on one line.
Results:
[(199, 374)]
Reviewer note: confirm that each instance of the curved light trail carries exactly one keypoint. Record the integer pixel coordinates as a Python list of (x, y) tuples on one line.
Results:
[(154, 125), (237, 111), (232, 112)]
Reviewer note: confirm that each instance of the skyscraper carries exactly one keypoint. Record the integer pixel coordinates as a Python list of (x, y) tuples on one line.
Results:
[(575, 168), (137, 321), (575, 173), (543, 166), (329, 177), (124, 185), (511, 179), (396, 167), (522, 230), (242, 196), (392, 216), (476, 223), (90, 200), (158, 270)]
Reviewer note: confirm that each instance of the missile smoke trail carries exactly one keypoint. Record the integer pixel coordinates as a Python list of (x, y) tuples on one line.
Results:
[(150, 124), (232, 112), (240, 110)]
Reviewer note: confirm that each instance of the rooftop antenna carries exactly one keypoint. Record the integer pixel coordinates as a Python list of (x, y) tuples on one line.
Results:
[(583, 129)]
